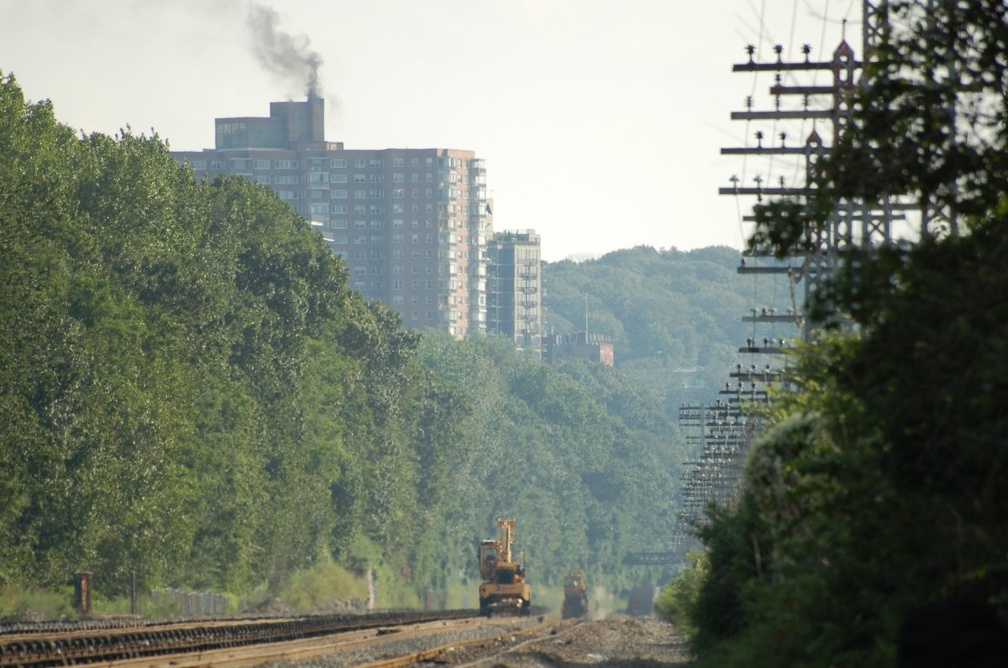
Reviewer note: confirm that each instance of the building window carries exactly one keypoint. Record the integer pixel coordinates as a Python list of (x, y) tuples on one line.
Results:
[(376, 163), (376, 178), (398, 193), (261, 164), (360, 178), (263, 179), (359, 164), (285, 164), (376, 194), (216, 164), (397, 162), (337, 163), (338, 193), (397, 178), (338, 178), (338, 224), (338, 208), (360, 194), (359, 224), (289, 180)]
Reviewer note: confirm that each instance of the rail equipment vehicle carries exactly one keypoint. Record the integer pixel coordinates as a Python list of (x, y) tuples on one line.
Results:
[(575, 600), (504, 588)]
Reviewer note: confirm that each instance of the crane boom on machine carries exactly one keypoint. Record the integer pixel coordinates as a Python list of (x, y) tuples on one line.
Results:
[(504, 588)]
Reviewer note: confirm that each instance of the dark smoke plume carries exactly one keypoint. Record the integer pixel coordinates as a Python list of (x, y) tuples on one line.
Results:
[(282, 54)]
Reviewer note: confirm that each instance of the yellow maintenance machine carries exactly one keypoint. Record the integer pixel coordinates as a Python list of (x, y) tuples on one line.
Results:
[(575, 601), (504, 588)]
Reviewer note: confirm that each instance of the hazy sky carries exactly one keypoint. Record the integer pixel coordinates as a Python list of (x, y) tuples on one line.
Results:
[(601, 121)]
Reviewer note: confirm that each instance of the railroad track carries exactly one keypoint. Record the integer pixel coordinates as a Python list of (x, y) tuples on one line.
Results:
[(66, 644)]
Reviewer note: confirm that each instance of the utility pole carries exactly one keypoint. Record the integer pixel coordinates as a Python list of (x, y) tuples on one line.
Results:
[(722, 432)]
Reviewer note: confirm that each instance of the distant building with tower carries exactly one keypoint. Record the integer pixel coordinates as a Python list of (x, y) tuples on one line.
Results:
[(412, 225), (593, 347)]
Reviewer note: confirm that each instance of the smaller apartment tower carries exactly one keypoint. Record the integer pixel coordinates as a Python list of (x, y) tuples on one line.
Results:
[(514, 288), (411, 224)]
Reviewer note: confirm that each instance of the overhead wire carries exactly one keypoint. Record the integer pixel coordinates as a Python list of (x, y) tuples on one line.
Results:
[(758, 44)]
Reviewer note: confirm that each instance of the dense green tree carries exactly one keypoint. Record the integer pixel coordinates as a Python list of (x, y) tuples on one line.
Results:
[(156, 345)]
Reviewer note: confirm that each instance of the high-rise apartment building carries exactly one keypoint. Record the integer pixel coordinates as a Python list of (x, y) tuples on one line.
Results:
[(514, 288), (411, 224)]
